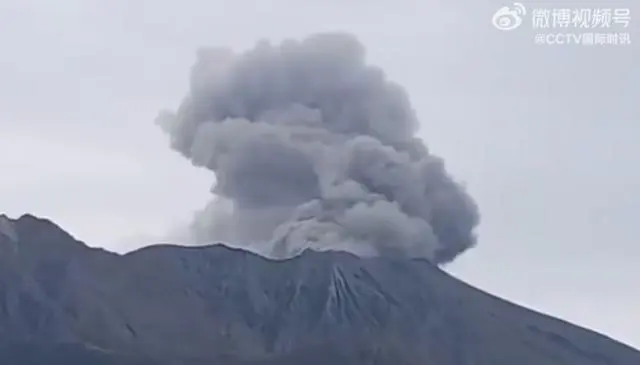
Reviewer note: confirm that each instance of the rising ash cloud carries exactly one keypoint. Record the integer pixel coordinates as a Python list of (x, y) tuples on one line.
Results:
[(314, 148)]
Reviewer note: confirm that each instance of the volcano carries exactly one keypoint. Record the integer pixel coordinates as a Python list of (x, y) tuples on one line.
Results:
[(62, 302)]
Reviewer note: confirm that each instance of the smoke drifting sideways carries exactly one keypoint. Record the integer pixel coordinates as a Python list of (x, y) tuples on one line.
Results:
[(313, 148)]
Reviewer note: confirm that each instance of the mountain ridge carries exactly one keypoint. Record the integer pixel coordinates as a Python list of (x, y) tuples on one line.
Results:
[(216, 303)]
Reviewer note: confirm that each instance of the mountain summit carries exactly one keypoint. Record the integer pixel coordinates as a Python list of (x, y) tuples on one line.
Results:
[(63, 301)]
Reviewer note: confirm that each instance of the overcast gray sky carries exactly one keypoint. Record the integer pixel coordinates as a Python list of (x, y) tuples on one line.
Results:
[(545, 137)]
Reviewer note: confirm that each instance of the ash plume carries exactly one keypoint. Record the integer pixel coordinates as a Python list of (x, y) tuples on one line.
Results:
[(313, 148)]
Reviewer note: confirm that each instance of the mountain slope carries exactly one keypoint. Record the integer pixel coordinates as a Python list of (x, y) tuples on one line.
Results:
[(64, 354), (176, 304)]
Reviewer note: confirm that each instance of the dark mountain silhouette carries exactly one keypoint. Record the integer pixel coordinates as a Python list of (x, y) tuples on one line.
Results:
[(62, 302)]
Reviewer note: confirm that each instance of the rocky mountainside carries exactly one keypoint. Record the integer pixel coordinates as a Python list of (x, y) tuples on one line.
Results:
[(60, 299)]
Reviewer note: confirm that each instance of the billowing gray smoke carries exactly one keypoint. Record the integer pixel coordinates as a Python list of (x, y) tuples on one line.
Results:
[(312, 147)]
